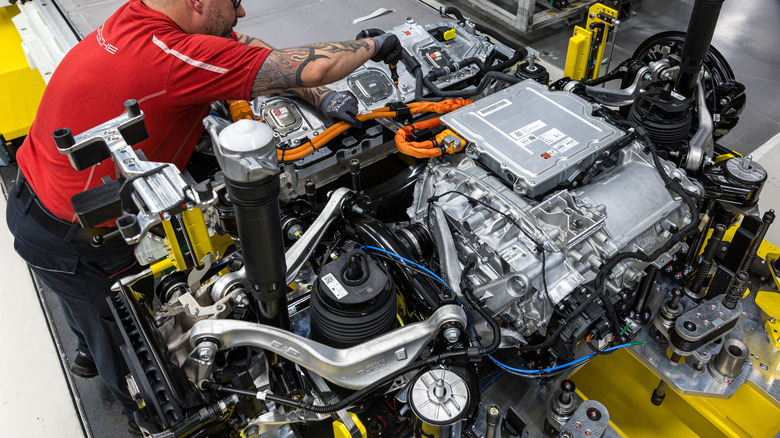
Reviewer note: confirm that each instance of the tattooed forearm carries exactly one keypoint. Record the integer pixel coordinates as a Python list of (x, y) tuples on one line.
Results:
[(313, 56), (312, 95), (349, 46), (282, 69), (285, 69)]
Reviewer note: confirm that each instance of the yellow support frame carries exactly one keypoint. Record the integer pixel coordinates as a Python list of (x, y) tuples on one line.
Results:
[(203, 243), (586, 46), (594, 19), (577, 54), (21, 88), (624, 385)]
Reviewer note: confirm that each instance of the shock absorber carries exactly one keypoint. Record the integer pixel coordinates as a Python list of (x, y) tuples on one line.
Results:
[(701, 27), (249, 162)]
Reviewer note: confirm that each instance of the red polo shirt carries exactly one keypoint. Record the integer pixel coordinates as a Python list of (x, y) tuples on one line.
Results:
[(136, 54)]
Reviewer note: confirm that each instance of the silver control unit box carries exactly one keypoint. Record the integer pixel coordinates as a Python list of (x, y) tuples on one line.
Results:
[(533, 138)]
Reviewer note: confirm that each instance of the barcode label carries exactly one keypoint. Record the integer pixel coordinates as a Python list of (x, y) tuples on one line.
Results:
[(334, 286)]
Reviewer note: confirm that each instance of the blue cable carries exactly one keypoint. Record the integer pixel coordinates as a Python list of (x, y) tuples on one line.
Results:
[(410, 262), (374, 248), (501, 365), (566, 365)]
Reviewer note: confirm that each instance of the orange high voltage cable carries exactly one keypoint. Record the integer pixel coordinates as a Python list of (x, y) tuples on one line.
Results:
[(336, 129)]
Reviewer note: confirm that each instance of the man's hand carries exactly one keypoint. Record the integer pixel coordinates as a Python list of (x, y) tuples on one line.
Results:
[(387, 49), (340, 105)]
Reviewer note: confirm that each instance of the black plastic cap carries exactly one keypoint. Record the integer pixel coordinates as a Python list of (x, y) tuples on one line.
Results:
[(131, 107), (63, 138)]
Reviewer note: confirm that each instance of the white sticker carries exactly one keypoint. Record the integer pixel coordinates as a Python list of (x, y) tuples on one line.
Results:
[(409, 32), (495, 107), (560, 148), (551, 136), (527, 129), (526, 140), (566, 144), (334, 286)]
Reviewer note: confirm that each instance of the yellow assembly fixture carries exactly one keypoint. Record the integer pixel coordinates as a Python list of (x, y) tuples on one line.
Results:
[(586, 46), (20, 87)]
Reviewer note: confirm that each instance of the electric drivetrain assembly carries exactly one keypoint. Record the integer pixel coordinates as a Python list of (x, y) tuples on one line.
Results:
[(454, 275)]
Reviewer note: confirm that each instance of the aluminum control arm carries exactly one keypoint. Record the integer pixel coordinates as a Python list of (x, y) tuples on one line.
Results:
[(353, 368)]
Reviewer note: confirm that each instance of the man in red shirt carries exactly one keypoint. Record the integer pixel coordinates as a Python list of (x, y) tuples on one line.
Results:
[(174, 57)]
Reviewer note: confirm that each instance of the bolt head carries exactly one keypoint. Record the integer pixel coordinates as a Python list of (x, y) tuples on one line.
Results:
[(452, 335), (594, 414), (205, 355), (764, 366), (772, 320)]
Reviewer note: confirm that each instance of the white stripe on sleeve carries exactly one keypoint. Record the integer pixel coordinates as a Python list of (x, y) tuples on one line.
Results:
[(187, 59)]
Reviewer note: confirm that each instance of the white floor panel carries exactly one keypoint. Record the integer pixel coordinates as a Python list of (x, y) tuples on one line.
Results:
[(34, 395)]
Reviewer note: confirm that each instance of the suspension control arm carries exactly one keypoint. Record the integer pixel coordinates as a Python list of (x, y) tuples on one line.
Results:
[(353, 368)]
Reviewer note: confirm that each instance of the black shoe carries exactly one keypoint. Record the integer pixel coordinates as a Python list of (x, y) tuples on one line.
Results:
[(134, 430), (83, 366)]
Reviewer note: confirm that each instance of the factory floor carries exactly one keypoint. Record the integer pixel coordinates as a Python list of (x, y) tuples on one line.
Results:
[(37, 394)]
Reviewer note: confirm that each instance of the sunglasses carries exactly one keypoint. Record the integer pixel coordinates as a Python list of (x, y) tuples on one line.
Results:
[(236, 4)]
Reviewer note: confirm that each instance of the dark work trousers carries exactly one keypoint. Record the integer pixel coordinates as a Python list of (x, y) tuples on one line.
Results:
[(81, 276)]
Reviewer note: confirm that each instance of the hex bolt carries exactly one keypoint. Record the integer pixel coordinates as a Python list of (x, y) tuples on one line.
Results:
[(594, 414), (452, 334), (206, 351)]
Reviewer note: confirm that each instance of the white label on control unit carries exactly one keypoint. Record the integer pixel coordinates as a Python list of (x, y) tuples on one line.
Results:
[(527, 129), (551, 136), (410, 31), (525, 140), (334, 286), (503, 103), (560, 148)]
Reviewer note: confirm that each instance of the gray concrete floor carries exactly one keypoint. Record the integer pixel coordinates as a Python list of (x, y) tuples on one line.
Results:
[(746, 35)]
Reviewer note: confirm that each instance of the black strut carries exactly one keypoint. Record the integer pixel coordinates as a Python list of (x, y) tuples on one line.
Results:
[(701, 27)]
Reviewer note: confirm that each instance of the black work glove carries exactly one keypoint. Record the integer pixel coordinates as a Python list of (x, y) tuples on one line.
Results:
[(388, 49), (340, 105)]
